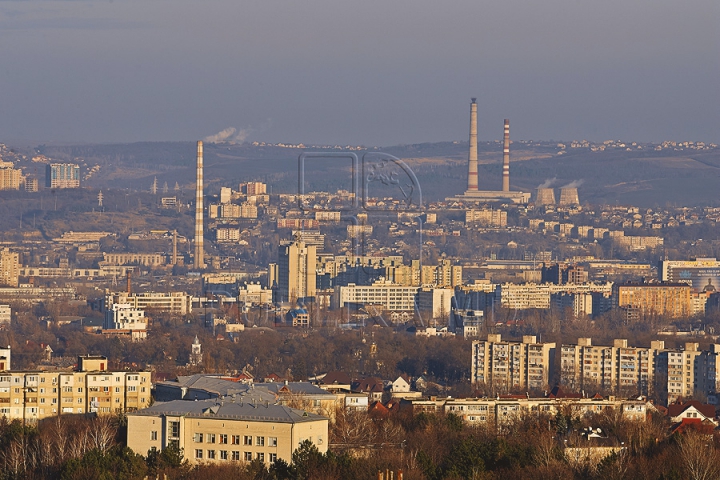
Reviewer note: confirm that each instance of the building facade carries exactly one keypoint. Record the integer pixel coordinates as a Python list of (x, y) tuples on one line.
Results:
[(504, 366), (62, 175), (217, 432)]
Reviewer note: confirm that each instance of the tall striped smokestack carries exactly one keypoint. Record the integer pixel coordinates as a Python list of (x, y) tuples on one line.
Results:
[(506, 157), (199, 251), (472, 156)]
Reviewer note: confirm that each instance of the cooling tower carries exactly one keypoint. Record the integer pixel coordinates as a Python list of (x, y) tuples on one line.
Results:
[(199, 231), (472, 185), (545, 196), (569, 196)]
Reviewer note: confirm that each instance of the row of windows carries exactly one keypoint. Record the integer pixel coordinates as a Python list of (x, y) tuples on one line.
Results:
[(234, 455), (223, 439)]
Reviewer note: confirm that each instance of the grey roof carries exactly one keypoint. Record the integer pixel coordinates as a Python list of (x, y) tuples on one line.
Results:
[(230, 410), (219, 387), (300, 388)]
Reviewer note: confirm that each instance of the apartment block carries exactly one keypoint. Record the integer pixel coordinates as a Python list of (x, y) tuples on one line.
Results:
[(618, 368), (32, 396), (62, 175), (666, 299), (504, 366), (500, 411), (9, 267)]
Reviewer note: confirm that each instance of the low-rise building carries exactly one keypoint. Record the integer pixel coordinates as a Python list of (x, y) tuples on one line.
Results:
[(216, 432)]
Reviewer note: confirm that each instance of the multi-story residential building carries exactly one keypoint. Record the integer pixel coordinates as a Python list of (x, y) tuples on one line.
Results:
[(32, 396), (9, 267), (672, 300), (179, 303), (388, 295), (489, 217), (296, 271), (500, 411), (504, 366), (227, 235), (218, 432), (121, 319), (62, 175), (677, 373), (616, 369), (532, 295), (9, 177)]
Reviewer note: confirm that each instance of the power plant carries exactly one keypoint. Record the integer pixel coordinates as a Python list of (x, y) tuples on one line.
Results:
[(545, 196), (473, 193), (199, 262), (569, 196)]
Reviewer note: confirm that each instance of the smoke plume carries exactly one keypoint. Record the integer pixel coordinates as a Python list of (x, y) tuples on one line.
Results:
[(548, 182), (573, 184), (221, 136)]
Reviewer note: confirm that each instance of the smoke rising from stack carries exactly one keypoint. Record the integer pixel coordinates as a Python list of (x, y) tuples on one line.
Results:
[(574, 184), (506, 157), (472, 185), (199, 230), (547, 183)]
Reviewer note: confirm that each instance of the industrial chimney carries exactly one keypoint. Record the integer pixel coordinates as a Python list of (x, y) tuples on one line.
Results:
[(472, 156), (199, 260), (506, 157)]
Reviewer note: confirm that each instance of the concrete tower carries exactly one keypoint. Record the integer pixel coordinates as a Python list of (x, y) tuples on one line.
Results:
[(199, 251), (472, 185), (569, 196), (506, 157), (545, 196)]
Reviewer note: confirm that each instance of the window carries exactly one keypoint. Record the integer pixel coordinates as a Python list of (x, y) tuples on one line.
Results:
[(236, 440), (272, 441), (153, 435), (248, 456), (210, 438), (132, 388), (260, 441), (236, 455), (247, 440), (223, 455), (79, 389), (198, 454), (198, 438), (261, 456), (223, 439), (211, 455)]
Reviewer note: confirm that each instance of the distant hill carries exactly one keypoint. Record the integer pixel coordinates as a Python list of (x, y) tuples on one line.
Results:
[(644, 177)]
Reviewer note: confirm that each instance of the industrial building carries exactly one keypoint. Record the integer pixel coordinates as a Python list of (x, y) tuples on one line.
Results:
[(473, 193)]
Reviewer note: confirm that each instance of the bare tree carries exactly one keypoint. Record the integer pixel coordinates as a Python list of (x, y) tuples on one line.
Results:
[(699, 456), (102, 433)]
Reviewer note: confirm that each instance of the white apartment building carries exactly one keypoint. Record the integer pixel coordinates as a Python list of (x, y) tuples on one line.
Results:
[(389, 295)]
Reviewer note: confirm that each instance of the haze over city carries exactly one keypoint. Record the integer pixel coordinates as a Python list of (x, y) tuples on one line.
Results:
[(370, 73), (341, 240)]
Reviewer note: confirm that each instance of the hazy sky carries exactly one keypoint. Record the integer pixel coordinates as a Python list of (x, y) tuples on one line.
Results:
[(359, 72)]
